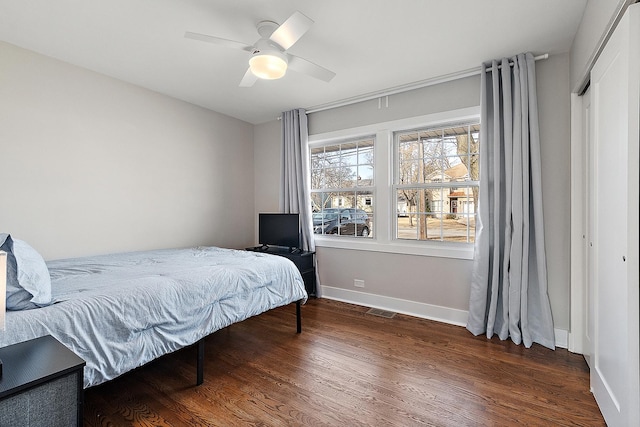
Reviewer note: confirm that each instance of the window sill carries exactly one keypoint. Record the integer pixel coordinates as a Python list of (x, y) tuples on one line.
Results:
[(442, 249)]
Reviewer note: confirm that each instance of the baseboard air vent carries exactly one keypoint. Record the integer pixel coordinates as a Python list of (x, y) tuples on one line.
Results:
[(381, 313)]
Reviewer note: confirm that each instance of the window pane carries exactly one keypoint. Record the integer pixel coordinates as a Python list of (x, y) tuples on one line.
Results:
[(365, 153), (408, 145), (349, 155), (430, 148), (465, 144), (323, 200), (332, 152), (450, 147), (334, 176), (456, 169), (475, 139), (407, 171), (316, 202), (331, 157), (463, 200), (434, 170), (317, 179), (363, 215), (350, 177), (317, 158), (409, 150), (365, 175), (365, 162), (474, 167)]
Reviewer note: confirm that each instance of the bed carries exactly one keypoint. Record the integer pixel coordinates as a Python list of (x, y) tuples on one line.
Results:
[(121, 311)]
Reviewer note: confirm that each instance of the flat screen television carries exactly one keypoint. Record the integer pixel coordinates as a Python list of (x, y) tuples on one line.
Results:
[(279, 229)]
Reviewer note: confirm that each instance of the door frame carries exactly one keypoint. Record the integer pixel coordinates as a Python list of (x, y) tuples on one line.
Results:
[(578, 258)]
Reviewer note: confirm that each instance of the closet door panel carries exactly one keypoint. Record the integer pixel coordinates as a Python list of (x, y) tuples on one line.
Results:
[(614, 363)]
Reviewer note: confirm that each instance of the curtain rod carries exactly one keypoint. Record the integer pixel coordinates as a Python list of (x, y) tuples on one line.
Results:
[(537, 58), (405, 88)]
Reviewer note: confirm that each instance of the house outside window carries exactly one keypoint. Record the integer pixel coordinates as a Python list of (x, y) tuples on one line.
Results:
[(342, 188), (436, 183)]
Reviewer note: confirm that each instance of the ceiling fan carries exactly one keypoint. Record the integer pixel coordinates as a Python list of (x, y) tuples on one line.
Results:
[(269, 58)]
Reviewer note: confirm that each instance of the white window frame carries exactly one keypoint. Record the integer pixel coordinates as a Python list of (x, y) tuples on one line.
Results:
[(435, 184), (383, 197), (358, 188)]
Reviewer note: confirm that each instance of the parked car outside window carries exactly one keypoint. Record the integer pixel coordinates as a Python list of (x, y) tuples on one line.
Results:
[(345, 222)]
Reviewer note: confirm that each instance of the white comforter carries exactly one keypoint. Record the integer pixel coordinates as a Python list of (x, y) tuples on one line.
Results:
[(121, 311)]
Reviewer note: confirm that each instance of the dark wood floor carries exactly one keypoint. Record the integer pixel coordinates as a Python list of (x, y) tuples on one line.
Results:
[(348, 368)]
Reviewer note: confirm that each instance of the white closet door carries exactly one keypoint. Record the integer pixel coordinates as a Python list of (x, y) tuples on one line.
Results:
[(615, 98)]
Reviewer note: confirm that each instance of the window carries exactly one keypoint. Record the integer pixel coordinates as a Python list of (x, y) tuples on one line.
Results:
[(436, 183), (414, 179), (342, 187)]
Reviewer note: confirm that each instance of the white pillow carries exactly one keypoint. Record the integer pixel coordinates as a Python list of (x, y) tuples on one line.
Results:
[(28, 279)]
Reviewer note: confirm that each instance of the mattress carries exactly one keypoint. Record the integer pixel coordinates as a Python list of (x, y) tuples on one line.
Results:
[(120, 311)]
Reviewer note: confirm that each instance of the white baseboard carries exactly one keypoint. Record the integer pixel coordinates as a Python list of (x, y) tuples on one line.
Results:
[(562, 338), (438, 313), (412, 308)]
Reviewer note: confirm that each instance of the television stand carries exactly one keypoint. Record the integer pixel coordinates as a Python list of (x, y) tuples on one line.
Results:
[(304, 260)]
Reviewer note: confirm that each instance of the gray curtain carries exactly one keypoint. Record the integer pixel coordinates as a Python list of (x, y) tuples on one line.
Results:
[(295, 177), (509, 284)]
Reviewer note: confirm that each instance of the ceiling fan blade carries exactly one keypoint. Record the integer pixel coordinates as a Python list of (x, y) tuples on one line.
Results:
[(291, 30), (219, 41), (249, 79), (307, 67)]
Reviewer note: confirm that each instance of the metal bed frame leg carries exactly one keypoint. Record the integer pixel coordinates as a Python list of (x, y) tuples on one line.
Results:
[(200, 362), (200, 359)]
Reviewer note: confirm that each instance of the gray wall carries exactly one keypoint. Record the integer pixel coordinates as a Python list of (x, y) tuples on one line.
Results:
[(441, 281), (94, 165), (597, 19), (433, 99), (554, 109)]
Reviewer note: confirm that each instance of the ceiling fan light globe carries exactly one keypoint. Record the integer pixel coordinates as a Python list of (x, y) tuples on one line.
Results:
[(268, 66)]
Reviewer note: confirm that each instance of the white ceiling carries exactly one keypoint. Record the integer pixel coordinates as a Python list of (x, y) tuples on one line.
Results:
[(371, 45)]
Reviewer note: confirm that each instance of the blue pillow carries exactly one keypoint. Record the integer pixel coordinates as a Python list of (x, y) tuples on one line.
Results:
[(28, 280)]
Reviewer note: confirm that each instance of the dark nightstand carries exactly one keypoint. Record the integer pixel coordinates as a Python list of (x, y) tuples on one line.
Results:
[(41, 384)]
